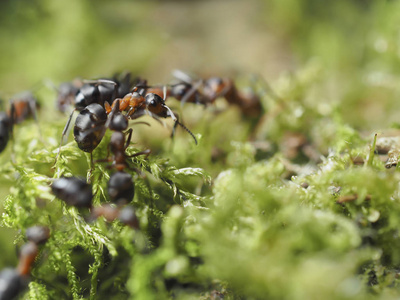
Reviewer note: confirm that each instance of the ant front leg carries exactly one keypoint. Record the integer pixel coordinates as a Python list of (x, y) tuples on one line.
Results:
[(128, 140), (64, 133), (144, 152)]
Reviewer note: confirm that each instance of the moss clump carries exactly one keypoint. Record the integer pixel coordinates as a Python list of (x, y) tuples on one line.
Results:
[(273, 220)]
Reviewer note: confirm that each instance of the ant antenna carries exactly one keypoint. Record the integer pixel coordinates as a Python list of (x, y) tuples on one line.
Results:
[(187, 129), (100, 81), (175, 119)]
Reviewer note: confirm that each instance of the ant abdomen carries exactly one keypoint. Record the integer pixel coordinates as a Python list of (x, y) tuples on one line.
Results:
[(89, 127), (121, 188), (11, 283), (73, 191)]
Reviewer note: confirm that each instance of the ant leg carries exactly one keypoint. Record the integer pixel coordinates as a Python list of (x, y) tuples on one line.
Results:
[(99, 81), (64, 133), (174, 127), (183, 126), (155, 117), (91, 170), (191, 92), (141, 122), (144, 152), (128, 140), (182, 76)]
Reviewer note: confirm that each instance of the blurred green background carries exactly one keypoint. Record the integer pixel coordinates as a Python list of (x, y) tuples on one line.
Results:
[(355, 45)]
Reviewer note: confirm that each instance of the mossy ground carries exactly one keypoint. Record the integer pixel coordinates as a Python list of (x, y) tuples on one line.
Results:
[(294, 204)]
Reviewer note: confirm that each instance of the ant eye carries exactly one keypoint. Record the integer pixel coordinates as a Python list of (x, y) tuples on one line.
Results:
[(153, 103)]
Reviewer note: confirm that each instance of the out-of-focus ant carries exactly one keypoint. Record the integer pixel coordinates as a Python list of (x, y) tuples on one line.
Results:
[(118, 122), (212, 88), (66, 94), (73, 191), (77, 192), (14, 281), (22, 106), (126, 214)]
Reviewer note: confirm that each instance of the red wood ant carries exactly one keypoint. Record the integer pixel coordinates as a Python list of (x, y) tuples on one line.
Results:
[(118, 122), (22, 106), (13, 281), (151, 104), (215, 87)]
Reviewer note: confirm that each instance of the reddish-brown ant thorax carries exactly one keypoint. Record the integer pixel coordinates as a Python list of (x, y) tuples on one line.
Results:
[(28, 255)]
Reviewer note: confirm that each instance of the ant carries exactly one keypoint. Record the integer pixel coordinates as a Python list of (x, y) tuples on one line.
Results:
[(215, 87), (95, 92), (66, 94), (22, 106), (118, 122), (77, 192), (73, 191), (151, 104), (104, 90), (89, 127), (13, 281)]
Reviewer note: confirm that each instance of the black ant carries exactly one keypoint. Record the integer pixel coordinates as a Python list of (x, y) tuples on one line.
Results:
[(89, 127), (99, 92), (104, 90), (73, 191), (77, 192), (13, 281)]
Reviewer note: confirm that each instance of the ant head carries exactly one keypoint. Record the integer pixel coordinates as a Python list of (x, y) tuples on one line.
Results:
[(155, 104), (153, 100), (118, 122)]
